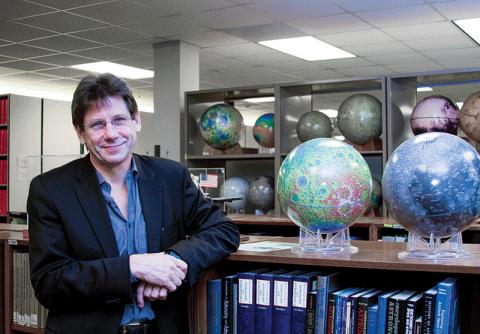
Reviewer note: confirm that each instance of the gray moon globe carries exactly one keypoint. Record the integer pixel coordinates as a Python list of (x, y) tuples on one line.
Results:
[(360, 118), (235, 187), (470, 117), (314, 124), (261, 193)]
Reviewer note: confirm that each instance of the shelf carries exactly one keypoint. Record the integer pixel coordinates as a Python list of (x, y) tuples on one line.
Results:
[(25, 329), (232, 157)]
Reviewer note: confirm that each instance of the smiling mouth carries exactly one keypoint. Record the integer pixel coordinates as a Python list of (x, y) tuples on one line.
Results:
[(112, 146)]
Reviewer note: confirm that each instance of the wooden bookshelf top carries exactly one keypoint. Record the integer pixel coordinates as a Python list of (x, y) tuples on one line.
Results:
[(371, 255)]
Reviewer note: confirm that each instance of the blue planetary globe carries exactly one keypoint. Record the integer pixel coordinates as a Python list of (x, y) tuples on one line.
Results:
[(220, 126), (431, 184), (263, 130), (324, 185)]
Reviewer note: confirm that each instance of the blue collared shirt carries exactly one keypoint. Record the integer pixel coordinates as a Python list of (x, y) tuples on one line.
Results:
[(130, 234)]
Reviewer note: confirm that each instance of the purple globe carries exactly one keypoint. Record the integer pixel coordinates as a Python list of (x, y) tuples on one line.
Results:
[(435, 113)]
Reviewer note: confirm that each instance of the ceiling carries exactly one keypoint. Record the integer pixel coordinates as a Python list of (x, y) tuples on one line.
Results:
[(40, 39)]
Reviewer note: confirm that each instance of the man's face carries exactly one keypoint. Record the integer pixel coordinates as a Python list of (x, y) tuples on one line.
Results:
[(110, 133)]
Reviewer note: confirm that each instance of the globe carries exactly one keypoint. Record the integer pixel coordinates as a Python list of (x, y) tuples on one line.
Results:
[(261, 193), (376, 198), (263, 130), (221, 125), (235, 187), (470, 117), (431, 184), (314, 124), (208, 150), (359, 118), (324, 185), (435, 113)]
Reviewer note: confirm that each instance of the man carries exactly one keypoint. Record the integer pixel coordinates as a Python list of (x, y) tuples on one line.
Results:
[(116, 238)]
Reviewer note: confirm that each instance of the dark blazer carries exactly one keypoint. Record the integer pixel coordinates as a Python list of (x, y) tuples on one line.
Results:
[(76, 271)]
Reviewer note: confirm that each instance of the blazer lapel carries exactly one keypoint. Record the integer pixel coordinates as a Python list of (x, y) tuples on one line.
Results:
[(91, 199), (150, 190)]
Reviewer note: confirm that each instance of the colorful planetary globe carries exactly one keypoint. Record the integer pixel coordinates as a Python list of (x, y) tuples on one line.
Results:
[(431, 184), (324, 185), (263, 130), (314, 124), (221, 125), (376, 198), (235, 187), (261, 193), (359, 118), (435, 113), (470, 117)]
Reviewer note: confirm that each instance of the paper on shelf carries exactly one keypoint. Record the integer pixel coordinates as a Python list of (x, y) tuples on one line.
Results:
[(266, 246)]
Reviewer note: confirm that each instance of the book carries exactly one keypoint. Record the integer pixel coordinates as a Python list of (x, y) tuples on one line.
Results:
[(364, 302), (227, 303), (302, 284), (246, 301), (352, 321), (282, 302), (429, 302), (372, 319), (413, 311), (264, 300), (400, 309), (446, 306), (214, 306), (382, 311), (418, 325), (342, 317), (325, 284), (311, 312)]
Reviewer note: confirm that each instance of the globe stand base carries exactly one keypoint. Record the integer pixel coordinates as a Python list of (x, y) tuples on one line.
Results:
[(327, 243), (433, 248)]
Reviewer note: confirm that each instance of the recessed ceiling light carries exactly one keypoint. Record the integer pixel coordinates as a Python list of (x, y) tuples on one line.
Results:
[(424, 89), (471, 27), (260, 99), (308, 48), (122, 71)]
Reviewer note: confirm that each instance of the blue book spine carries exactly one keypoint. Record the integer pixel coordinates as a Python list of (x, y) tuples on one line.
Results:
[(301, 286), (372, 319), (382, 311), (214, 306), (227, 304), (354, 308), (282, 303), (325, 284), (246, 302), (235, 307), (263, 301), (446, 294)]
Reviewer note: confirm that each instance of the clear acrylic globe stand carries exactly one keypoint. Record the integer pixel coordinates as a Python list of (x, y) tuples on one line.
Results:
[(326, 243), (433, 248)]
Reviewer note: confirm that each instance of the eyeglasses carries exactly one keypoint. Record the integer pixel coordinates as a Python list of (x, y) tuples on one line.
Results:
[(118, 122)]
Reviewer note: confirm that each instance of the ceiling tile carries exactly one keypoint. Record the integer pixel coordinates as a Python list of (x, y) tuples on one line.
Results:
[(415, 67), (264, 32), (452, 53), (63, 43), (421, 31), (5, 59), (175, 7), (22, 51), (15, 32), (225, 64), (135, 83), (62, 22), (111, 35), (26, 65), (296, 66), (363, 5), (207, 56), (329, 24), (377, 49), (62, 4), (460, 63), (17, 9), (356, 37), (401, 16), (209, 39), (106, 53), (30, 77), (8, 71), (396, 58), (229, 18), (296, 10), (344, 63), (239, 50), (63, 72), (439, 43), (125, 12), (365, 71), (461, 9), (143, 47), (142, 62), (166, 26), (63, 59), (274, 57), (207, 85), (319, 75)]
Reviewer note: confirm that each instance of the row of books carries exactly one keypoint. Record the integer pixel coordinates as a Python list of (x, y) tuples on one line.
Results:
[(3, 110), (27, 311), (296, 302), (3, 202), (3, 141), (3, 172)]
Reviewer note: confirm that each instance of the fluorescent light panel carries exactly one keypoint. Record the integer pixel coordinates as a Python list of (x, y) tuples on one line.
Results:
[(122, 71), (260, 99), (307, 48), (424, 89), (471, 27)]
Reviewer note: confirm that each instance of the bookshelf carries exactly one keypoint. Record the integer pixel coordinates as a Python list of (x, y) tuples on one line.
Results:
[(4, 134)]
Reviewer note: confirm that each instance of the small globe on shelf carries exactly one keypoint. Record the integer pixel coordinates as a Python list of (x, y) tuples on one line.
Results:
[(235, 187), (431, 185), (376, 198), (235, 149), (220, 126), (359, 118), (435, 113), (261, 193), (263, 130), (324, 185), (470, 117), (314, 124)]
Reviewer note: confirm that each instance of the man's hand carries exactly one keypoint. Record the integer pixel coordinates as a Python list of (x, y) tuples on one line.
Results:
[(151, 292), (158, 269)]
